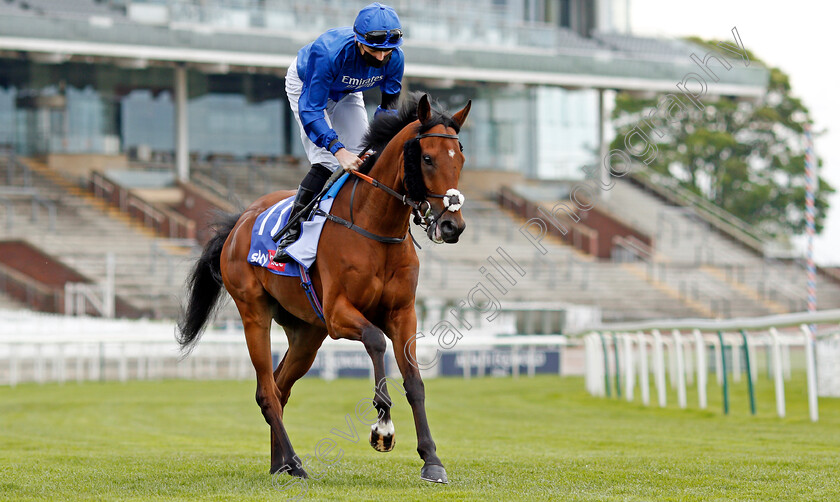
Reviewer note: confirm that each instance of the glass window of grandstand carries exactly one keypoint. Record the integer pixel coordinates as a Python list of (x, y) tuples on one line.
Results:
[(104, 109), (542, 132), (234, 116)]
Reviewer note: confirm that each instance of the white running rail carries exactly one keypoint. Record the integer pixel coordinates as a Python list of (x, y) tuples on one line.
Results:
[(618, 351)]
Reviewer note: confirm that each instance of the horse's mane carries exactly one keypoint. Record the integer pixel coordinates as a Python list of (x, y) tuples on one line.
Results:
[(383, 129)]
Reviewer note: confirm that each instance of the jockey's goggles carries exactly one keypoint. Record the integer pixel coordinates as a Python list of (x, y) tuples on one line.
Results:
[(379, 37)]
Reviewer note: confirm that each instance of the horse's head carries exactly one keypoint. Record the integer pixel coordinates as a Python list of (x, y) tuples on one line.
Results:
[(433, 162)]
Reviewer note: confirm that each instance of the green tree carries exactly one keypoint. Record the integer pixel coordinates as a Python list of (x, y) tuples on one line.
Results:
[(745, 155)]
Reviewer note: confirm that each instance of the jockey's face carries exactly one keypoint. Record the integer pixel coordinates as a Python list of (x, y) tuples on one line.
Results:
[(378, 54)]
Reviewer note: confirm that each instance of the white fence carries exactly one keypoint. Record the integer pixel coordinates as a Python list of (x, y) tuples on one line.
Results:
[(52, 348), (828, 365), (619, 355)]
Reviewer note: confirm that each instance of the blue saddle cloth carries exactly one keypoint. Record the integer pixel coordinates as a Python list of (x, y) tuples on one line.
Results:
[(303, 250)]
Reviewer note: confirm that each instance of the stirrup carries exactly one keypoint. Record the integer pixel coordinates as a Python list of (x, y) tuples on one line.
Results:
[(280, 256), (302, 198)]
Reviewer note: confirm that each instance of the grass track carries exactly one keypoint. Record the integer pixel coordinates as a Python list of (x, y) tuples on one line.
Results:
[(500, 439)]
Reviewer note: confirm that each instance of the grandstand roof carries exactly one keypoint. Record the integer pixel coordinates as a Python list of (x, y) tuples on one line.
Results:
[(61, 30)]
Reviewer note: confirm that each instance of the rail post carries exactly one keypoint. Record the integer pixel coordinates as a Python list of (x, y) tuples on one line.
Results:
[(777, 372), (749, 371), (644, 385), (811, 369), (702, 371), (659, 367), (725, 385)]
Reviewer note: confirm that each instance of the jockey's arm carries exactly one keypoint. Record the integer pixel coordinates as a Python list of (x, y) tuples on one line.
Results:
[(320, 74), (389, 104), (391, 85)]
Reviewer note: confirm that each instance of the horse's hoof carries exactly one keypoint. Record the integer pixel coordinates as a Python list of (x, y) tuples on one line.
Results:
[(434, 474), (382, 437), (291, 470)]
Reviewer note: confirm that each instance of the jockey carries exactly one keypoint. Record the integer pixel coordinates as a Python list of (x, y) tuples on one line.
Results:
[(324, 85)]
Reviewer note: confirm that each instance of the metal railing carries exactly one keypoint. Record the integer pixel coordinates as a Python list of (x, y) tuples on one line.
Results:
[(619, 352), (160, 219), (101, 297), (14, 191), (736, 228), (490, 23), (630, 249)]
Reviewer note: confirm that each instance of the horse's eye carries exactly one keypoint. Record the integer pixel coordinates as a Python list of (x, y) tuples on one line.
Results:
[(427, 159)]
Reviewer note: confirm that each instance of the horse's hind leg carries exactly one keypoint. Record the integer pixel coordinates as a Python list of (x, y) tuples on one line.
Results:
[(304, 342), (256, 319)]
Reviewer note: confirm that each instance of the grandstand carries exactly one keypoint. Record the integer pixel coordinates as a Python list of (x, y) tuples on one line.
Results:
[(98, 168), (693, 270), (71, 225)]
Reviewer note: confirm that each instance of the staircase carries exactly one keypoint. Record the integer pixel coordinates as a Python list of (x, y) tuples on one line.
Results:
[(241, 183), (562, 275), (150, 270), (716, 269)]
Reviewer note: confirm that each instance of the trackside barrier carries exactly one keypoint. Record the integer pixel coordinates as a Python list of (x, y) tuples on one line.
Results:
[(52, 348), (734, 342)]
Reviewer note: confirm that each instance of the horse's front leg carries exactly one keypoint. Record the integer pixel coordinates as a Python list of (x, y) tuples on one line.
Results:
[(347, 322), (401, 326)]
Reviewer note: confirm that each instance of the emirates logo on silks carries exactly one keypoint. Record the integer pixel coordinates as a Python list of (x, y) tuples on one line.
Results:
[(280, 267), (359, 82)]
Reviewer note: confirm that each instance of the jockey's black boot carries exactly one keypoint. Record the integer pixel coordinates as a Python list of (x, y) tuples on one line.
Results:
[(302, 198)]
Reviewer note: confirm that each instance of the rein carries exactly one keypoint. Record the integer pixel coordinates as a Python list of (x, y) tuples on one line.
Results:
[(352, 225), (452, 201)]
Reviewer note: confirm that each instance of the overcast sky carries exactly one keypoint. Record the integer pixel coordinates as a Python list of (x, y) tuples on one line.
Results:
[(802, 38)]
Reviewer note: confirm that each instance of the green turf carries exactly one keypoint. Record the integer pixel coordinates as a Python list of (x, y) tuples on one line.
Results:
[(500, 439)]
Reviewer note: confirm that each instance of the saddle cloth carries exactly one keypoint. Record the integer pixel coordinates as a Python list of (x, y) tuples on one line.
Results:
[(304, 249)]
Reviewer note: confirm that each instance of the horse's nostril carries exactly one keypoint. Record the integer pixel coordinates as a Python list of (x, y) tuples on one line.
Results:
[(447, 227)]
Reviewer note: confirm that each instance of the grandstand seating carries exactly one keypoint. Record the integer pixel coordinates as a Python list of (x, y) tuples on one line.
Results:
[(644, 45), (692, 255), (694, 270), (243, 182), (149, 270), (63, 8), (9, 303)]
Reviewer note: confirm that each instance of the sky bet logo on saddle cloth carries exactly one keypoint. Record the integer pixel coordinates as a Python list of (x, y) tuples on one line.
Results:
[(263, 258), (303, 250)]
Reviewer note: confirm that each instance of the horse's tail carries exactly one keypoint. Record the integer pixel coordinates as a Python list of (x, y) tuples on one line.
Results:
[(205, 286)]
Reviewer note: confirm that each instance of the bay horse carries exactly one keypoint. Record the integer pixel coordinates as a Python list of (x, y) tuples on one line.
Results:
[(367, 286)]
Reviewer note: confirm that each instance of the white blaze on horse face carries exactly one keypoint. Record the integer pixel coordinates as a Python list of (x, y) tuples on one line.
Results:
[(451, 154)]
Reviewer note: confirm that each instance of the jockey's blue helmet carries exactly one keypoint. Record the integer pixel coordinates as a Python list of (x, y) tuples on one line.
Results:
[(378, 26)]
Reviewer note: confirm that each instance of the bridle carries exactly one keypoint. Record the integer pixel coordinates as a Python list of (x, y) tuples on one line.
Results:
[(453, 200), (422, 210)]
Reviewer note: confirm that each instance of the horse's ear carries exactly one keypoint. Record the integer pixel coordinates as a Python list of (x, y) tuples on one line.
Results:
[(424, 109), (461, 115)]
